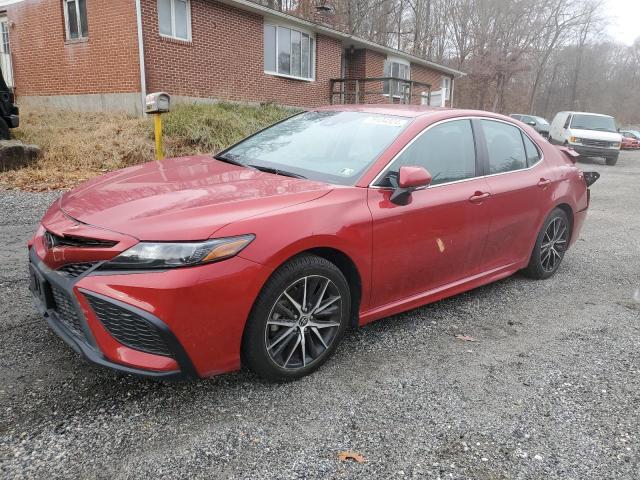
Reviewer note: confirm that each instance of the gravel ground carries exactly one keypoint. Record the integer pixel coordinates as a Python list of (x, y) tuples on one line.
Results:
[(551, 389)]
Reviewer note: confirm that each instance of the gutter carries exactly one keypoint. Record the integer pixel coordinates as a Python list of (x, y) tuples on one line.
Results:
[(330, 32), (143, 75)]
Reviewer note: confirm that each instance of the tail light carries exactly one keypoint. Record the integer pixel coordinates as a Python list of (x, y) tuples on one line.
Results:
[(590, 177)]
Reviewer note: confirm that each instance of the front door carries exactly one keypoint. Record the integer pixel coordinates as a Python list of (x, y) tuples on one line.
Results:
[(439, 236)]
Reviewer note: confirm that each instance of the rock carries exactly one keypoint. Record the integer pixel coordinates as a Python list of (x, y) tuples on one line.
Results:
[(14, 154)]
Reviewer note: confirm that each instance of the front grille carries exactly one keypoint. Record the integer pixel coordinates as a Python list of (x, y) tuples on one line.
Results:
[(129, 328), (595, 143), (66, 311), (54, 240), (75, 269)]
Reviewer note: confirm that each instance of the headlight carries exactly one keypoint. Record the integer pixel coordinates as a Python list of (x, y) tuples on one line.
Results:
[(615, 144), (147, 255), (574, 140)]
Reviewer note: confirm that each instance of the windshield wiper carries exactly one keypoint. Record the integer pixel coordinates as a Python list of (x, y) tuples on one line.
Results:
[(276, 171), (228, 158)]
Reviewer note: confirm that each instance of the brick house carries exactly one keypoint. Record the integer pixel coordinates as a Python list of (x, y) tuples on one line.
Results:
[(106, 54)]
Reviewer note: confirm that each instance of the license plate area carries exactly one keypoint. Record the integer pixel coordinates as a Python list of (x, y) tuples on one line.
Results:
[(40, 288)]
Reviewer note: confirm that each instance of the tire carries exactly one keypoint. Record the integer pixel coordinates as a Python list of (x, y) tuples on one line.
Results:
[(5, 134), (550, 247), (277, 347), (611, 161)]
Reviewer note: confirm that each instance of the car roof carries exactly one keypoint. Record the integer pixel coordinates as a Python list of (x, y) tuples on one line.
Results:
[(588, 113), (411, 111)]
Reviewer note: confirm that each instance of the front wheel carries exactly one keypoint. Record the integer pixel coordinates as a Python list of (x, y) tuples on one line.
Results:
[(298, 319), (551, 244), (611, 161)]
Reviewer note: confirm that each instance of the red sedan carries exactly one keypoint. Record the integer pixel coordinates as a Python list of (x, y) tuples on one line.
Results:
[(267, 253), (629, 143)]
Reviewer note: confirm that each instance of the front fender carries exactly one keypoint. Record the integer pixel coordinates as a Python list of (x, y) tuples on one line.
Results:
[(340, 220)]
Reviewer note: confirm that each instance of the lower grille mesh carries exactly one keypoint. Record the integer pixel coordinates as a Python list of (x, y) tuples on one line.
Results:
[(75, 269), (66, 311), (129, 328)]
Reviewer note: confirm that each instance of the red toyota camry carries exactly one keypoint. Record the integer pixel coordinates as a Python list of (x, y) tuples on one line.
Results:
[(265, 254)]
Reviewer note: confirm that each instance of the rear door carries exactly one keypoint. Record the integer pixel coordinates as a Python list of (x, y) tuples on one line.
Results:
[(519, 184), (438, 237)]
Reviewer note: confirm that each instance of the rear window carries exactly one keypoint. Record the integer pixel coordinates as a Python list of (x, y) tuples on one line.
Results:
[(505, 147), (583, 121)]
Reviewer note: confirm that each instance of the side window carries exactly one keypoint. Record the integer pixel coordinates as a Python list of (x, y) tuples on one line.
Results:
[(174, 19), (447, 151), (567, 121), (75, 16), (505, 147), (533, 154)]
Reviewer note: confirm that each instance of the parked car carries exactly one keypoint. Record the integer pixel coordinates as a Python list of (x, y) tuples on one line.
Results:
[(9, 113), (589, 134), (268, 252), (629, 142), (539, 124), (630, 133)]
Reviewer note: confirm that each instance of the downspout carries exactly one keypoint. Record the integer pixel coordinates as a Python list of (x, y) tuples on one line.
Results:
[(453, 82), (143, 76)]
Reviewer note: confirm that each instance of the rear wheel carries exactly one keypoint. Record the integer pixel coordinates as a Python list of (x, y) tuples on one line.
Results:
[(5, 134), (550, 246), (298, 320)]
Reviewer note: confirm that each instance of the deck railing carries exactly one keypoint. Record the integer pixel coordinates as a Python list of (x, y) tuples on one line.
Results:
[(360, 90)]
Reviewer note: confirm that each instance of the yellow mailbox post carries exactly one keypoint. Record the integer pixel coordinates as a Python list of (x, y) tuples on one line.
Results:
[(156, 104)]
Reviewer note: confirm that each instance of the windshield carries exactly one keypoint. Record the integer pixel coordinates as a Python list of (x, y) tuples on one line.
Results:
[(333, 147), (541, 121), (593, 122), (633, 133)]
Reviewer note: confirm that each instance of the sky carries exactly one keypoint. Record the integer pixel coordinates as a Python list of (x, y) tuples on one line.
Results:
[(625, 20)]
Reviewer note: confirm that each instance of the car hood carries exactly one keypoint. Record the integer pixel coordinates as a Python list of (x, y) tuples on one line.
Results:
[(596, 135), (183, 198)]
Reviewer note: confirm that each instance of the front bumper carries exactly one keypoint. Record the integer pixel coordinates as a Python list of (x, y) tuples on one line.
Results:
[(587, 151), (200, 312), (69, 319)]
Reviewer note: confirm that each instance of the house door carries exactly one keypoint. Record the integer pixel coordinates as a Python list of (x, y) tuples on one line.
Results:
[(5, 52), (437, 99)]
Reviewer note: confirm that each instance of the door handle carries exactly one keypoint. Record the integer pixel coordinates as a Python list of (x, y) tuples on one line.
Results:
[(544, 182), (479, 197)]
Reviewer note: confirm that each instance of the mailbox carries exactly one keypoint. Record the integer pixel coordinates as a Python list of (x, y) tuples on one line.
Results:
[(157, 102)]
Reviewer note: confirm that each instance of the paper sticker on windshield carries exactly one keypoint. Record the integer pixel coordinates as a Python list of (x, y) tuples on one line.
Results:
[(347, 172), (387, 121)]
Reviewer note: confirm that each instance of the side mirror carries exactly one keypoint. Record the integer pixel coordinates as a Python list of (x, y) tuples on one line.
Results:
[(409, 179)]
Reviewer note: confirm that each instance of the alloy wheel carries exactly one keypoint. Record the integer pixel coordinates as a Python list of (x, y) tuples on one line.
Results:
[(554, 244), (303, 322)]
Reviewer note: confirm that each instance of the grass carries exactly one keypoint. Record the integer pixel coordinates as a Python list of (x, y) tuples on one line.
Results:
[(77, 146)]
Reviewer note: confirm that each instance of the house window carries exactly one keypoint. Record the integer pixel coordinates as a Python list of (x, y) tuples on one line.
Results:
[(174, 19), (396, 69), (75, 19), (446, 86), (288, 52)]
